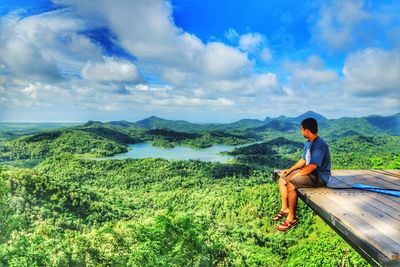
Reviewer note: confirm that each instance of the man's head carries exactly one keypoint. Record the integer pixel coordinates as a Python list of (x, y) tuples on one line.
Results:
[(309, 127)]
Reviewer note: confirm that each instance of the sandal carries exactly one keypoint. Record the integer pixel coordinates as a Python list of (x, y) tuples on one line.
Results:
[(286, 225), (280, 215)]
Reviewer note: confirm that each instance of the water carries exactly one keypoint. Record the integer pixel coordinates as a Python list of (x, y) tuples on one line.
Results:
[(146, 150)]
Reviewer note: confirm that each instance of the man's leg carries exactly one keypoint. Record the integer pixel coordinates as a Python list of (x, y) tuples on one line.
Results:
[(283, 190), (308, 180), (284, 195), (292, 198)]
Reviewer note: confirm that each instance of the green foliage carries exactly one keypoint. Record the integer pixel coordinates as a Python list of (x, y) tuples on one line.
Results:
[(167, 138), (185, 126), (148, 212), (276, 152), (323, 247), (363, 152), (41, 145), (70, 211), (12, 130), (386, 162)]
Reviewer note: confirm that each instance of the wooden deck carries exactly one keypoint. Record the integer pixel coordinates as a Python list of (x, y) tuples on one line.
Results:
[(368, 221)]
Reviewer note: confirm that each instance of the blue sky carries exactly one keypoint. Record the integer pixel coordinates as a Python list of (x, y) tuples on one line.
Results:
[(202, 61)]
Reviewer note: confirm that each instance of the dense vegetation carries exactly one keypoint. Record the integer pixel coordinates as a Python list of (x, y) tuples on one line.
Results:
[(42, 145), (352, 152), (100, 139), (153, 212), (278, 152), (65, 210), (168, 138)]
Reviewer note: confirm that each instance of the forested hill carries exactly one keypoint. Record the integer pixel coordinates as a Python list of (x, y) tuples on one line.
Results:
[(370, 125), (61, 207), (154, 122), (107, 139)]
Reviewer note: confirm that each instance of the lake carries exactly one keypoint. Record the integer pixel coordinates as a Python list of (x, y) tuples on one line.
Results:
[(146, 150)]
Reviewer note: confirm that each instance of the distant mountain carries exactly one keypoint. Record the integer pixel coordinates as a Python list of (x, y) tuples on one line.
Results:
[(309, 114), (154, 122), (334, 128), (391, 124), (244, 124), (121, 123), (268, 119), (277, 125)]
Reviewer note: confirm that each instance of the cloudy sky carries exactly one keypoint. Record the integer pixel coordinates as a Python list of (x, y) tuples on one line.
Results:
[(199, 60)]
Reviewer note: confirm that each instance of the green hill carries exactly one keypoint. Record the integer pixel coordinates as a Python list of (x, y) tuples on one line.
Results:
[(277, 125), (389, 124), (185, 126), (309, 114), (42, 145), (68, 210), (332, 129), (152, 212)]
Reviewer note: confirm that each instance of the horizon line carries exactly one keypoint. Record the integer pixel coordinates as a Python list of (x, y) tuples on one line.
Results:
[(104, 121)]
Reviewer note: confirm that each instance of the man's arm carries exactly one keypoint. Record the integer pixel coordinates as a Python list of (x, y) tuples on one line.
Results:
[(307, 169), (296, 166), (316, 159)]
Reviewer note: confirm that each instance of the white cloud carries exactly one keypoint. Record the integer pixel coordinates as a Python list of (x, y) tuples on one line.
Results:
[(175, 76), (255, 44), (342, 25), (184, 101), (266, 55), (42, 47), (111, 70), (312, 72), (373, 72), (316, 76), (231, 35), (337, 22), (27, 60), (159, 45), (222, 61), (266, 80), (251, 41)]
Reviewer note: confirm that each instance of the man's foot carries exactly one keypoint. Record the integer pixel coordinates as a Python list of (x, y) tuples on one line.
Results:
[(280, 214), (286, 225)]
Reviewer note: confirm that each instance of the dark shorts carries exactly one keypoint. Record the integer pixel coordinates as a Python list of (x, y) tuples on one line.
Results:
[(309, 180)]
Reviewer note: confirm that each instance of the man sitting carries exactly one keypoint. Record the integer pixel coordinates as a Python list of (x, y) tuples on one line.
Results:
[(312, 170)]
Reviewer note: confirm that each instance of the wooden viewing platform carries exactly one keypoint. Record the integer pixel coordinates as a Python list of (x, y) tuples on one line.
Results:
[(368, 221)]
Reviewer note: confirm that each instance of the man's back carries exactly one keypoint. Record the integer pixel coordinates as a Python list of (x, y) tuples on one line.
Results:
[(317, 152)]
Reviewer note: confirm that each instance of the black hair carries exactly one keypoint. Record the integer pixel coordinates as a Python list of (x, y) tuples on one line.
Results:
[(310, 124)]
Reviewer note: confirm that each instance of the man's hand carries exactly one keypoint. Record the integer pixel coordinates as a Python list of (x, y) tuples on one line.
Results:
[(286, 172), (301, 163)]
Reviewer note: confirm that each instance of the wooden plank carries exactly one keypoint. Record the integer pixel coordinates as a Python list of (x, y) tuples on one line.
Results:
[(391, 176), (365, 232), (349, 182), (380, 175), (393, 173), (391, 201), (368, 221), (376, 202), (366, 176), (368, 251), (395, 182), (388, 226), (391, 208)]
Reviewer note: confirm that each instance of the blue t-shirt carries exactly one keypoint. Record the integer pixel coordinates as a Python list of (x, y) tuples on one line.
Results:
[(317, 152)]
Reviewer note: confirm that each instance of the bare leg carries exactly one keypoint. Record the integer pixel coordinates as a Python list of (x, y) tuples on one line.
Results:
[(284, 195), (292, 197)]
